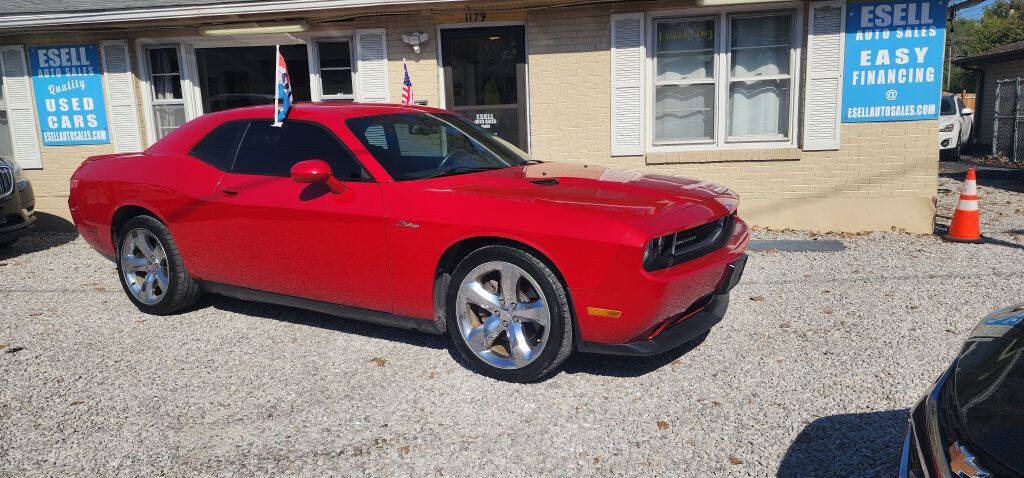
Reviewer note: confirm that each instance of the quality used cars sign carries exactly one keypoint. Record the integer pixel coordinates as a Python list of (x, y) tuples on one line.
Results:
[(893, 61), (68, 87)]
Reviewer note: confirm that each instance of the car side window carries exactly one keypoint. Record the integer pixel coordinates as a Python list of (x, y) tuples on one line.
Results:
[(219, 147), (272, 151)]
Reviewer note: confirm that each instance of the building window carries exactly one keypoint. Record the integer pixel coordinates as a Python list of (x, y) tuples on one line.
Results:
[(684, 84), (165, 80), (6, 147), (335, 70), (696, 102), (760, 77)]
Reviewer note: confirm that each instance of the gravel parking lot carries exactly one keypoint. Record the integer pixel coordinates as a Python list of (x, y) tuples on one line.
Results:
[(811, 374)]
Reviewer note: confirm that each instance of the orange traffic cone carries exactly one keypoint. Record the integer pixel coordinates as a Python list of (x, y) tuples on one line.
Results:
[(966, 225)]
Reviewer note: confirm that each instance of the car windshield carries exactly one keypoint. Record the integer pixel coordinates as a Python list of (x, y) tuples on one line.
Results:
[(948, 106), (426, 145)]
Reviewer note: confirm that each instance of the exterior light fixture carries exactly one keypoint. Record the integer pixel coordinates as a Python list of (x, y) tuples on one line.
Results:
[(415, 39)]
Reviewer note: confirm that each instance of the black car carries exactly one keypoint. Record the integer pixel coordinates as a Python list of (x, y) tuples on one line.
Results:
[(17, 203), (971, 423)]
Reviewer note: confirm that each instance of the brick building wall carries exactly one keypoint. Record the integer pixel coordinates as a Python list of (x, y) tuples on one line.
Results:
[(884, 175)]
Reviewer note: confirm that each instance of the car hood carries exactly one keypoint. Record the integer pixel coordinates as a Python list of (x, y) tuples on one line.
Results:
[(989, 387), (594, 188)]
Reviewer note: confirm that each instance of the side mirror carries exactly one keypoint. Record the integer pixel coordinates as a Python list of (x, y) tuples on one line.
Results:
[(316, 171), (966, 112)]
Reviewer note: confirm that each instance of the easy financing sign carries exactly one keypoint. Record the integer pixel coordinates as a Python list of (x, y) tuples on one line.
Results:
[(68, 86), (893, 65)]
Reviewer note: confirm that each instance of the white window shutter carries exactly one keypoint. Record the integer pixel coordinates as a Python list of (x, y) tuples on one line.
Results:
[(823, 97), (627, 84), (372, 66), (120, 85), (20, 110)]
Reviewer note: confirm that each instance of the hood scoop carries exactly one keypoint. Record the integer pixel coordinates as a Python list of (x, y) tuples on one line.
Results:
[(545, 182)]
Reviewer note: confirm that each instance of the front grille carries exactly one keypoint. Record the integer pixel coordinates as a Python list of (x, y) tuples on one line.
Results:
[(700, 240), (6, 180), (12, 220)]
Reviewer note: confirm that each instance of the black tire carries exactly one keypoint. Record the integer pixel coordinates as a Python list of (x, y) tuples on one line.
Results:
[(6, 244), (182, 291), (560, 339)]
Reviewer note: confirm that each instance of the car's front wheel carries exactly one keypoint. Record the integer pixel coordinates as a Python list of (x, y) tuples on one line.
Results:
[(508, 314), (151, 269)]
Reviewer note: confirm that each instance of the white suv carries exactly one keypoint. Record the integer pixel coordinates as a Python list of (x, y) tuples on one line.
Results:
[(955, 123)]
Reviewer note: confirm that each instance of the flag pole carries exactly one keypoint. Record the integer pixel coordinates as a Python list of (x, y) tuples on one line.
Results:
[(277, 54)]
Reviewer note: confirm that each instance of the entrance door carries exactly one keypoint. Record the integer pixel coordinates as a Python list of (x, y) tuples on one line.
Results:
[(485, 78)]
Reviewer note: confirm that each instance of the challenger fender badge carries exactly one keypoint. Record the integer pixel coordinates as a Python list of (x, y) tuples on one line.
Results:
[(964, 464)]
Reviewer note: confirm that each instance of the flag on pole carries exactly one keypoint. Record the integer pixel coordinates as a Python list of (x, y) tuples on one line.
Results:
[(406, 87), (282, 90)]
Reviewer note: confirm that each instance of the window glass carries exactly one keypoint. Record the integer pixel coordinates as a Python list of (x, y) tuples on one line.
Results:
[(165, 87), (420, 145), (755, 86), (760, 46), (684, 112), (240, 76), (272, 151), (335, 69), (684, 91), (759, 76), (166, 76), (759, 108), (219, 147), (948, 106), (686, 49), (374, 136), (960, 103)]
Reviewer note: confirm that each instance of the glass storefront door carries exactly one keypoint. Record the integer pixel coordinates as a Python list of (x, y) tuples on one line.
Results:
[(485, 78), (234, 77)]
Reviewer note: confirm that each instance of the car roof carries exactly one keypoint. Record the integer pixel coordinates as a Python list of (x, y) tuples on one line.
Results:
[(347, 110)]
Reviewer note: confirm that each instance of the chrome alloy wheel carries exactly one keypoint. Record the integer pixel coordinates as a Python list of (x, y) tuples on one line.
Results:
[(503, 315), (144, 266)]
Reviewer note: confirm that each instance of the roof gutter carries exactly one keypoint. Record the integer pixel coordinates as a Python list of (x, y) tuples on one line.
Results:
[(192, 11)]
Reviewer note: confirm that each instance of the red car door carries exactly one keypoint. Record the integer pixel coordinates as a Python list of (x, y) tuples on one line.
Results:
[(277, 235)]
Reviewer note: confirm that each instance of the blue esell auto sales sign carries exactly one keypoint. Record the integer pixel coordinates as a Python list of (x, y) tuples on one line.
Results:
[(893, 60), (68, 85)]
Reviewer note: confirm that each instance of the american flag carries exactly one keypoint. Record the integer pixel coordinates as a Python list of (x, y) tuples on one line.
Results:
[(406, 87)]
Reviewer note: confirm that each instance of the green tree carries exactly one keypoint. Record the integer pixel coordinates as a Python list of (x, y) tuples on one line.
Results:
[(1000, 24)]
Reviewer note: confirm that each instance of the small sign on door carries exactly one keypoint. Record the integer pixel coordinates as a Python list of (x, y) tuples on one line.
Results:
[(485, 120)]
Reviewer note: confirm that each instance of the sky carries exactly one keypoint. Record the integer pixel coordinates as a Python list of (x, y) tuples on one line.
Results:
[(975, 11)]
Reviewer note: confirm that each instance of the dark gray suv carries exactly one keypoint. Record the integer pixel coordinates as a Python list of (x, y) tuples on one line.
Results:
[(17, 203)]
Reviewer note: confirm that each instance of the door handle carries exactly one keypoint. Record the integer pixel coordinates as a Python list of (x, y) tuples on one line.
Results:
[(229, 191)]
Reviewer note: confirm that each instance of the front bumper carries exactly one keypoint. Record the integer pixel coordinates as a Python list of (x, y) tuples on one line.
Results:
[(17, 213), (690, 325), (948, 140), (924, 447)]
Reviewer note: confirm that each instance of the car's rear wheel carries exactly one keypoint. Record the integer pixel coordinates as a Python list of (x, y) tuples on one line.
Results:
[(508, 314), (6, 244), (150, 268)]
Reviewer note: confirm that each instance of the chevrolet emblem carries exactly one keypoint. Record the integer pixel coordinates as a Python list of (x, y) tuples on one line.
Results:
[(964, 463)]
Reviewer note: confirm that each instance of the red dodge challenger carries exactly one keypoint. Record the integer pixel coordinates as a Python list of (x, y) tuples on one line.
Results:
[(415, 217)]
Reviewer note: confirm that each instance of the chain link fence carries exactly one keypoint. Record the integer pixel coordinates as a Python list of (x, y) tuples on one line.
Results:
[(1008, 127)]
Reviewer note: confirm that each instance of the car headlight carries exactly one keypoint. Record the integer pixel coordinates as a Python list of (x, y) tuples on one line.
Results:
[(656, 253), (946, 129)]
